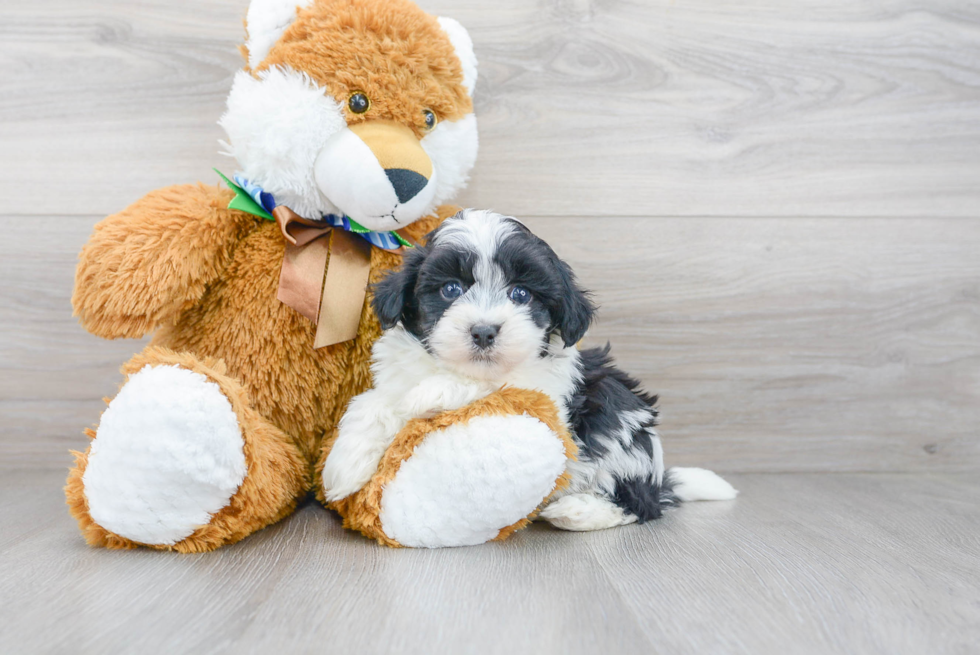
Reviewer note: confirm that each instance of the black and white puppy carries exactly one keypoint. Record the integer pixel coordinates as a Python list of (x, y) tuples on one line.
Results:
[(486, 304)]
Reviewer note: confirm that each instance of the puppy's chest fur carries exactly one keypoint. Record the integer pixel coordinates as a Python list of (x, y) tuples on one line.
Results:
[(401, 363)]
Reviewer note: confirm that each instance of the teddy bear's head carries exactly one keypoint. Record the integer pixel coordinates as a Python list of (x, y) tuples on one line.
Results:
[(354, 107)]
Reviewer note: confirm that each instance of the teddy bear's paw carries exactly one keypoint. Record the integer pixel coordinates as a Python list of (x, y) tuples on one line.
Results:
[(464, 484), (168, 454)]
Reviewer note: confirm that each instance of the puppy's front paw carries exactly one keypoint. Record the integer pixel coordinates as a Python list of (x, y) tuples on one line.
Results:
[(584, 512), (439, 394), (346, 473)]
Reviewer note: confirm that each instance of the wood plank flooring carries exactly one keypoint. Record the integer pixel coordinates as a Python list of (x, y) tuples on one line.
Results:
[(866, 563)]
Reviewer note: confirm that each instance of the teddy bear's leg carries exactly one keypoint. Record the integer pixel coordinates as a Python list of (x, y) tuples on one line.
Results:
[(466, 483), (464, 476), (181, 461)]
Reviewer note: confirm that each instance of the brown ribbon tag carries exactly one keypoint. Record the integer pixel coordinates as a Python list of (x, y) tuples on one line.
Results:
[(324, 279), (301, 276), (344, 289)]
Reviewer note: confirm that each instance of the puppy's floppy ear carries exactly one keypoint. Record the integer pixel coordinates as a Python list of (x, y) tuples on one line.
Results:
[(393, 299), (575, 311)]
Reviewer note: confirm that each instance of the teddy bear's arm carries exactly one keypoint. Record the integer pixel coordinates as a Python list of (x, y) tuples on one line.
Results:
[(155, 258)]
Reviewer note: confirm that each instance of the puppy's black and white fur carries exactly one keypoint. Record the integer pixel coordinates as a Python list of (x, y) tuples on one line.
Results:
[(486, 304)]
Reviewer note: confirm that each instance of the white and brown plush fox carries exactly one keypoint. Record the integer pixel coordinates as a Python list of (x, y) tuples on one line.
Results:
[(351, 124)]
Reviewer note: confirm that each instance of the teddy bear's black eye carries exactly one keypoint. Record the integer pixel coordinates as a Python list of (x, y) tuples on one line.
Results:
[(430, 119), (358, 102)]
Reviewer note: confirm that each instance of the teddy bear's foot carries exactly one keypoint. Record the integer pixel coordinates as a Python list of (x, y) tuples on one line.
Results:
[(465, 484), (171, 456), (168, 455)]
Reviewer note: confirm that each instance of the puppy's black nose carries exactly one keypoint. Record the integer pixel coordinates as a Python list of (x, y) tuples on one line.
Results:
[(406, 183), (483, 335)]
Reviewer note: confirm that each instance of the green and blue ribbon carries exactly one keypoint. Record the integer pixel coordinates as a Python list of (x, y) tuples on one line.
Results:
[(252, 199)]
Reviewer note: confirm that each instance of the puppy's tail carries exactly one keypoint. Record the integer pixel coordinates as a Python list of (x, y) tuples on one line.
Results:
[(688, 484)]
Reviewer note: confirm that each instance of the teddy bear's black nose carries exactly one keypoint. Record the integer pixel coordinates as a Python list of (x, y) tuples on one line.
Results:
[(483, 335), (406, 183)]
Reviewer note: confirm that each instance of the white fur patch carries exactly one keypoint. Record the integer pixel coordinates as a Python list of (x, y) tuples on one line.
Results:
[(277, 125), (517, 343), (463, 45), (348, 173), (401, 362), (366, 429), (479, 230), (167, 456), (265, 22), (700, 484), (452, 147), (464, 484), (583, 512)]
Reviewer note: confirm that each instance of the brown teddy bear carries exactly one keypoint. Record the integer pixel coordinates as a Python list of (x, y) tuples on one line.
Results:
[(351, 123)]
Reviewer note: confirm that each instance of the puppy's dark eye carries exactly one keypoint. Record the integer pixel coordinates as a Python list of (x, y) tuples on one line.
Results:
[(520, 295), (430, 119), (451, 290), (358, 102)]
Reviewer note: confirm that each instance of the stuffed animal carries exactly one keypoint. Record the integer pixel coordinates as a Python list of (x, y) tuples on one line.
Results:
[(351, 124), (468, 475)]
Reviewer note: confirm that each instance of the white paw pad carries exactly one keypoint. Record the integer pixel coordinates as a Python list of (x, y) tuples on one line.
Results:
[(168, 455), (462, 485)]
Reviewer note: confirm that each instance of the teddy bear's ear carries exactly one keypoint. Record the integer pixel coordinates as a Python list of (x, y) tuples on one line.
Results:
[(265, 22), (463, 45)]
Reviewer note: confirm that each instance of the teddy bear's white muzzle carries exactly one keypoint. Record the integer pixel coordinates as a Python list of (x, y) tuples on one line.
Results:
[(377, 174)]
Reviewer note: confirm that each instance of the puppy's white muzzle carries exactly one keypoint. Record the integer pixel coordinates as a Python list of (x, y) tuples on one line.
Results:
[(377, 173), (456, 338)]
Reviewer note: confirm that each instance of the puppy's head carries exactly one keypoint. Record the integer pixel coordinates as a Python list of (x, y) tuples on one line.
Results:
[(485, 295)]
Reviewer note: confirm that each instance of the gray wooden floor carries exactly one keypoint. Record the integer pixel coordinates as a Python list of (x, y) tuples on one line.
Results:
[(801, 563), (777, 204)]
